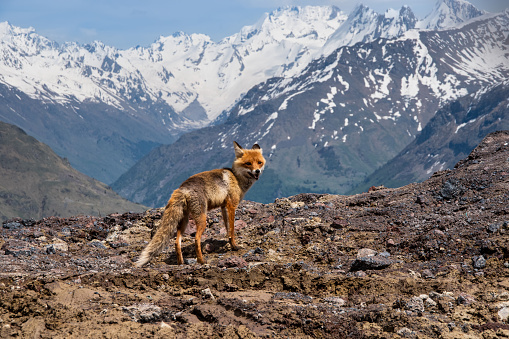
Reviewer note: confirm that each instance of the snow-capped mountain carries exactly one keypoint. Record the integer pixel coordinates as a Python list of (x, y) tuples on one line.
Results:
[(192, 74), (340, 119), (364, 25), (454, 131), (448, 13), (102, 108)]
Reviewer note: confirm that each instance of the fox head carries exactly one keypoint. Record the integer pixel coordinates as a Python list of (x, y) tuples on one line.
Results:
[(248, 162)]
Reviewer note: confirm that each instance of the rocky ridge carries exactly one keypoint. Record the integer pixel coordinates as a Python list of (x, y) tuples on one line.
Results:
[(427, 260)]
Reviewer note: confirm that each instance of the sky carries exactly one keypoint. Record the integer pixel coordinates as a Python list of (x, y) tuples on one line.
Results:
[(130, 23)]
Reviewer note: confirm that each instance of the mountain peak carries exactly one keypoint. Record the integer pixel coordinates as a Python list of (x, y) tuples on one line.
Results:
[(25, 39), (449, 13), (364, 24), (361, 10), (7, 28)]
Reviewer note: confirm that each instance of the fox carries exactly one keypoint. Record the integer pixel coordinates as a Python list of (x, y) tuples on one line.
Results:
[(202, 192)]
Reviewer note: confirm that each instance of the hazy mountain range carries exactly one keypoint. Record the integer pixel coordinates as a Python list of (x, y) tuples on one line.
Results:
[(36, 183)]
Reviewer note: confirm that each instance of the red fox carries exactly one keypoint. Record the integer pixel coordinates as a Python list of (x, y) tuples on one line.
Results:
[(202, 192)]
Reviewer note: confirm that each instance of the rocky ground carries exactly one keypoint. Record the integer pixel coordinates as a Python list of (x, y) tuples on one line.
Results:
[(428, 260)]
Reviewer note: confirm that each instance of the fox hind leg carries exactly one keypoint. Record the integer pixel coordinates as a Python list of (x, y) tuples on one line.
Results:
[(201, 224), (180, 231)]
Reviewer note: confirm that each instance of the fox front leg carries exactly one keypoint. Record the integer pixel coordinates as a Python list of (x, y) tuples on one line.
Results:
[(226, 225), (229, 221)]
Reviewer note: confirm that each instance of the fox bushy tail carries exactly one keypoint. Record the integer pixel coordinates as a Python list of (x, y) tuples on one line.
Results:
[(172, 215)]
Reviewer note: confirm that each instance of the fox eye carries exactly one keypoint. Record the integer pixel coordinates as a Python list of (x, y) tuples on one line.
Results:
[(248, 164), (259, 162)]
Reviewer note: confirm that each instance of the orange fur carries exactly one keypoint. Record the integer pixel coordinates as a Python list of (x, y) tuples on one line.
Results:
[(223, 188)]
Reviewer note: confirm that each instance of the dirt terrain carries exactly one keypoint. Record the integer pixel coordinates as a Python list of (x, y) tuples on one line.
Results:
[(428, 260)]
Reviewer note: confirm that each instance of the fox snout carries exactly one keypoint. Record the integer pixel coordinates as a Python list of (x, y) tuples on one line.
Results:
[(256, 173)]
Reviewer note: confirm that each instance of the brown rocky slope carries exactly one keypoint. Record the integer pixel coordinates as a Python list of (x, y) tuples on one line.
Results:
[(427, 260), (36, 183)]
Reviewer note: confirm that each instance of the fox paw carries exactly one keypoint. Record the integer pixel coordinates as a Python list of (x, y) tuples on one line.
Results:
[(236, 247)]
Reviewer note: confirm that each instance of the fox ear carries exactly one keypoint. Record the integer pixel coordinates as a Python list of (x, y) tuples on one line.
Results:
[(256, 146), (239, 151)]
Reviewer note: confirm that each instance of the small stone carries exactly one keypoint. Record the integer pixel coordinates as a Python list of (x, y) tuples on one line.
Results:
[(420, 199), (479, 262), (415, 304), (258, 250), (427, 274), (465, 299), (270, 219), (451, 189), (98, 244), (118, 244), (335, 300), (59, 246), (493, 228), (366, 252), (233, 262), (239, 224), (503, 313), (339, 223), (207, 294), (165, 325), (375, 262), (143, 313), (405, 332), (12, 225), (297, 204), (190, 261), (438, 233)]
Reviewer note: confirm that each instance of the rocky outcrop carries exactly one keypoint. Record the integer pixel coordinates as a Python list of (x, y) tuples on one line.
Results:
[(306, 267)]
